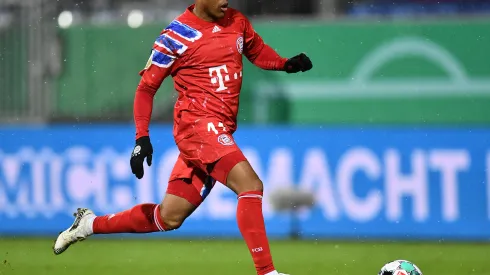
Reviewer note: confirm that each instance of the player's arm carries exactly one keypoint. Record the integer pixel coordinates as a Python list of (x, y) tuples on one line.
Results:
[(151, 80), (264, 57), (159, 66)]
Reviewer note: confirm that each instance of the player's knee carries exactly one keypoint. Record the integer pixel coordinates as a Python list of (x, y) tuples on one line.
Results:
[(171, 221), (173, 224), (242, 178), (257, 185), (252, 185)]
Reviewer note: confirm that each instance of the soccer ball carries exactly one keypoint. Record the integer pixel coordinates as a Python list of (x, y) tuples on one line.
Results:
[(400, 267)]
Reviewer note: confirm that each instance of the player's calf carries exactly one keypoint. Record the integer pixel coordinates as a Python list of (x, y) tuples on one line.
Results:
[(146, 218), (142, 218), (243, 180)]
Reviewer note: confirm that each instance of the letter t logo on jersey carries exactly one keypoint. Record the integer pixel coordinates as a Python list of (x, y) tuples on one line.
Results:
[(219, 77)]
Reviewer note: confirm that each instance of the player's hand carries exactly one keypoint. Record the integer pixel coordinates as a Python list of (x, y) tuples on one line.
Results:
[(298, 63), (142, 150)]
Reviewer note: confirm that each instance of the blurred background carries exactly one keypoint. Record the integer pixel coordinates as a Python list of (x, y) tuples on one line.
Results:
[(390, 132)]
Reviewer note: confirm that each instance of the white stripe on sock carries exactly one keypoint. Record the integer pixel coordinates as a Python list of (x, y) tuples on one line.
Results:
[(250, 196), (155, 219), (90, 224)]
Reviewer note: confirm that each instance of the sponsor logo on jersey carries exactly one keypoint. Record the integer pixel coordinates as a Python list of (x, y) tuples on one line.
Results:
[(225, 140), (239, 44), (216, 29)]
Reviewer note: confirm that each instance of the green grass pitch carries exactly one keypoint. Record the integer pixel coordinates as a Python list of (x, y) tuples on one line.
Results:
[(176, 257)]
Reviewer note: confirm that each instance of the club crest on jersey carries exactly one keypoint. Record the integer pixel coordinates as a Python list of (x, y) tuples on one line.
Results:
[(239, 44), (225, 140)]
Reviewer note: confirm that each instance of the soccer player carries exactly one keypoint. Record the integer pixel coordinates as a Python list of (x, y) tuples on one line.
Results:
[(202, 50)]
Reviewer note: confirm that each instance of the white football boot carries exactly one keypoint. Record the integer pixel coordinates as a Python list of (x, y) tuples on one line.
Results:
[(78, 231), (275, 273)]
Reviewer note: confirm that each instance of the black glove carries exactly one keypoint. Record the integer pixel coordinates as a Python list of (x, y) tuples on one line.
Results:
[(300, 62), (142, 150)]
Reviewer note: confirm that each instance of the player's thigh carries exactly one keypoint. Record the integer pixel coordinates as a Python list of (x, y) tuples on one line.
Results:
[(189, 182), (212, 149), (183, 197), (238, 174)]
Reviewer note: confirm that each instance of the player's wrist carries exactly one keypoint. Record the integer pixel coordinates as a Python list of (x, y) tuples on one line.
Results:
[(282, 64), (298, 63), (142, 137)]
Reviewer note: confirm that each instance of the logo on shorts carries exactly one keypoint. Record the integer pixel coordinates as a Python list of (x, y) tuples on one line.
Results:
[(239, 44), (225, 140)]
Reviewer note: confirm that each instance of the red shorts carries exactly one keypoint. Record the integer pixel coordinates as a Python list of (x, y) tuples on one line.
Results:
[(207, 154)]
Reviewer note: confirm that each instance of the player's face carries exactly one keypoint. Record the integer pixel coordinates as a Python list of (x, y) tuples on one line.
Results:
[(216, 8)]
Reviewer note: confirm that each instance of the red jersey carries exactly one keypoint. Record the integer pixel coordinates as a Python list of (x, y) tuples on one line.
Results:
[(205, 61)]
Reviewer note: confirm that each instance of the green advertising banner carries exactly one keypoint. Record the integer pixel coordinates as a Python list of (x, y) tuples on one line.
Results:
[(14, 62), (435, 72)]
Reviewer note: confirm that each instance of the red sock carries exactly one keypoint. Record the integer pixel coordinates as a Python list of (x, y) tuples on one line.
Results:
[(143, 218), (251, 223)]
